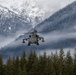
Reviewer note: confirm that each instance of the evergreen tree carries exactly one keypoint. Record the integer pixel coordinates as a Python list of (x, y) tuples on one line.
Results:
[(35, 64), (23, 63), (17, 66), (9, 66), (13, 65), (52, 64), (4, 69), (1, 65), (74, 66), (69, 64), (49, 69), (32, 64), (42, 63), (61, 62), (56, 63)]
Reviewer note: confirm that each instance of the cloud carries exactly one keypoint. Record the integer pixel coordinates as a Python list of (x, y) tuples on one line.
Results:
[(56, 37), (53, 37)]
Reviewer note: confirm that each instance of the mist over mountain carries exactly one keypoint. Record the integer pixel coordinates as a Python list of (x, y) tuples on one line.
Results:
[(59, 31)]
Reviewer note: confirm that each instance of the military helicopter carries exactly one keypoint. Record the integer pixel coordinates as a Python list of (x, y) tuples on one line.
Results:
[(33, 38)]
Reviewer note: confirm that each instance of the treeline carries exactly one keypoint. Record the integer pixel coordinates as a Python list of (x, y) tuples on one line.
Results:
[(54, 64)]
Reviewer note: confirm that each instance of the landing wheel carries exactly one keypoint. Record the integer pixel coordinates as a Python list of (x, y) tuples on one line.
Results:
[(43, 40), (29, 44), (37, 43)]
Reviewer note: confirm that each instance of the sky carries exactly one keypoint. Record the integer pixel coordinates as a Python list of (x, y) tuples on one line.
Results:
[(50, 6)]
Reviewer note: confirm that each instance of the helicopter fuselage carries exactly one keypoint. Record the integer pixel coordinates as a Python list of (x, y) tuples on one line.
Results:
[(33, 39)]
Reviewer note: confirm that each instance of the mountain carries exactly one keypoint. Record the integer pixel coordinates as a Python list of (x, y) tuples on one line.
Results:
[(11, 25), (11, 22), (31, 10), (23, 16), (59, 30), (64, 19)]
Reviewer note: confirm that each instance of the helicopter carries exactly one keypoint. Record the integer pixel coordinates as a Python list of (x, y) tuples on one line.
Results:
[(34, 38)]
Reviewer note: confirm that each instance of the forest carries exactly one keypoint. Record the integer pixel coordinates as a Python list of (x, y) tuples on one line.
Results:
[(57, 63)]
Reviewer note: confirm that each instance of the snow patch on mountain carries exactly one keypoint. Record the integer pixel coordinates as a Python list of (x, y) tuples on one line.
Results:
[(27, 10), (31, 10)]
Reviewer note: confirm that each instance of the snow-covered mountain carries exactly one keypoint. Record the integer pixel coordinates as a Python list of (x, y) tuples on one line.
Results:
[(31, 10), (11, 26), (11, 23), (59, 31), (64, 19)]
